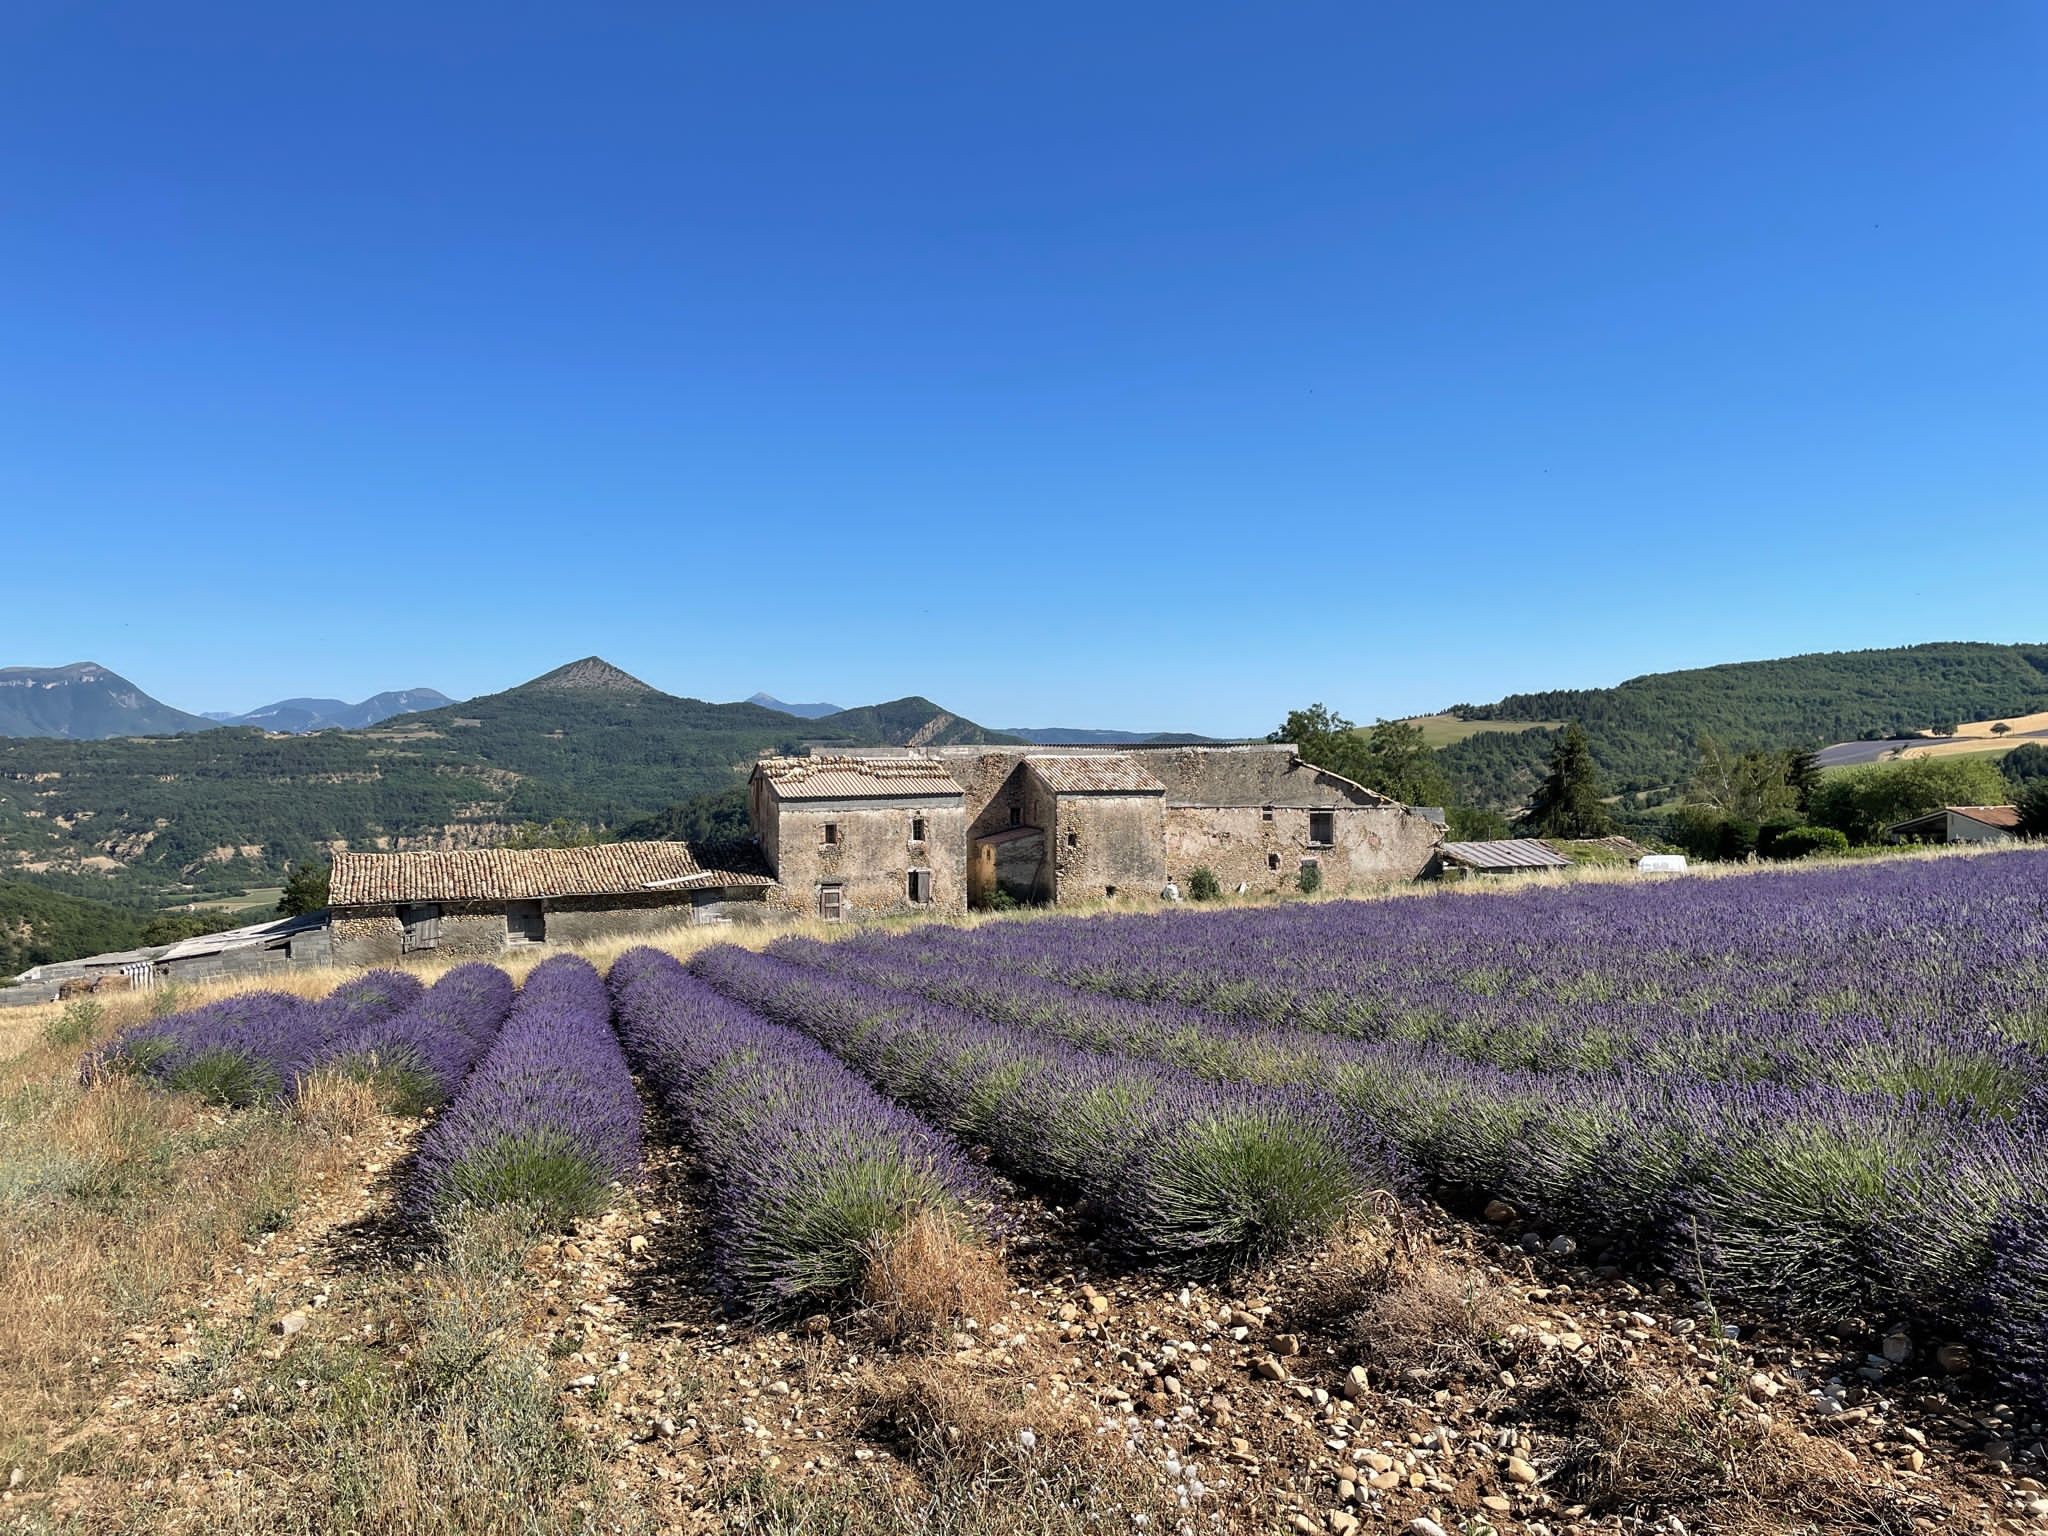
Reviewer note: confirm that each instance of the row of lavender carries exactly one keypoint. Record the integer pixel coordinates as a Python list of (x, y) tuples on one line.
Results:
[(1878, 1160), (259, 1047)]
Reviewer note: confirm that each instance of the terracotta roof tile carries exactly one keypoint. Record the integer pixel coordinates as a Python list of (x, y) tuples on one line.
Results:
[(855, 778), (1108, 774), (527, 874)]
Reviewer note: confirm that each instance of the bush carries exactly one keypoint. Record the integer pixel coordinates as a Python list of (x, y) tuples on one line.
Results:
[(1774, 827), (2033, 808), (1707, 833), (1799, 842), (76, 1025), (1203, 884), (1311, 879)]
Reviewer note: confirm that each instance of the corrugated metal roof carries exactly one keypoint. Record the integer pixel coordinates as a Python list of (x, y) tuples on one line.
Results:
[(2006, 816), (1068, 773), (855, 778), (1509, 853), (525, 874), (274, 931)]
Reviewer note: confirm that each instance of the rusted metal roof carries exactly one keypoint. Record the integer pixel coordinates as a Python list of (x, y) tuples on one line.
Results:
[(856, 778), (276, 931), (1509, 853), (1070, 773), (2006, 816), (527, 874)]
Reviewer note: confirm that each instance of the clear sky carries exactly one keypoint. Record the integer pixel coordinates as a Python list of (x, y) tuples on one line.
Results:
[(1108, 364)]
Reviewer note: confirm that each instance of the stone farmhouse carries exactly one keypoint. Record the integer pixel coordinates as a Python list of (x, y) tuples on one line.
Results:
[(948, 827)]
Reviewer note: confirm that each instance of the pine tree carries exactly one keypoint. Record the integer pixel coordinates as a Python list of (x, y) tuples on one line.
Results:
[(305, 888), (1570, 801)]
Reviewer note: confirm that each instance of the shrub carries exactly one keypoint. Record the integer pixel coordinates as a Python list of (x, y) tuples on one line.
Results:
[(1801, 842), (76, 1025), (1310, 880), (2033, 808), (1203, 884)]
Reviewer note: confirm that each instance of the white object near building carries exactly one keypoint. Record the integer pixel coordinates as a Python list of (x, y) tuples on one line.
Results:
[(1662, 864)]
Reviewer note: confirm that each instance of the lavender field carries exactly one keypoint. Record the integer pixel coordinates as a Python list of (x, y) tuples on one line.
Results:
[(1818, 1095), (1814, 1096)]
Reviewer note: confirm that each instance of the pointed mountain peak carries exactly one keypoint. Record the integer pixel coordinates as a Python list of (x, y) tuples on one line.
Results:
[(591, 674)]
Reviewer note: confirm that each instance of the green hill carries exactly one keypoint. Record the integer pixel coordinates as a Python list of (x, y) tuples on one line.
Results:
[(139, 818), (1645, 732)]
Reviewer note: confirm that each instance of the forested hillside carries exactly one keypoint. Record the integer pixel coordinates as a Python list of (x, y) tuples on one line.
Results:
[(227, 808), (1645, 732)]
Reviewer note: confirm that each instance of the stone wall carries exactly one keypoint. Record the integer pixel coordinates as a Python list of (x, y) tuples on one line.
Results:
[(1102, 844), (478, 931), (872, 857), (1371, 845)]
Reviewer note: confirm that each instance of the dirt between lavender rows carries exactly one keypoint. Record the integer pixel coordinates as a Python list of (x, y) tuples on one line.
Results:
[(1420, 1374)]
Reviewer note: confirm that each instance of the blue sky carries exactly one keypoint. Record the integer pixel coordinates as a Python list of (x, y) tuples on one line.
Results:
[(1138, 365)]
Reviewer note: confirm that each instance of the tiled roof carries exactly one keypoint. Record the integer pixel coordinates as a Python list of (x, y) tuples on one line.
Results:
[(527, 874), (1509, 853), (855, 778), (1109, 774)]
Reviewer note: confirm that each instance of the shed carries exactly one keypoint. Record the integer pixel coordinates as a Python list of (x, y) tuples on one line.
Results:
[(1961, 824), (478, 901), (1509, 856)]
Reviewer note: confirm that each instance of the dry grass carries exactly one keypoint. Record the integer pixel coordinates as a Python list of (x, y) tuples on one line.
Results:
[(1430, 1317), (1642, 1452), (927, 1277)]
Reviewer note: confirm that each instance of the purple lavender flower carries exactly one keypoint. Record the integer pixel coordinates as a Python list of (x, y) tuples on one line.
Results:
[(548, 1118), (809, 1166), (423, 1053)]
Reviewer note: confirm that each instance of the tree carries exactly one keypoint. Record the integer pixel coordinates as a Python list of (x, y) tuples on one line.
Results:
[(2000, 729), (1803, 773), (2024, 764), (1749, 786), (1326, 739), (1400, 764), (305, 888), (1569, 802), (1863, 802), (2033, 807), (1473, 824)]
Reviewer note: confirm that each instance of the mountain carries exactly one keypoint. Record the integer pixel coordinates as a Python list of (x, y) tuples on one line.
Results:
[(910, 722), (301, 715), (1077, 736), (586, 743), (801, 711), (84, 702), (1645, 732)]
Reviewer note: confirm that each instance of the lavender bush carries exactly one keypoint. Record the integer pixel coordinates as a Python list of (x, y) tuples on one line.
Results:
[(1820, 1092), (1198, 1174), (810, 1167), (421, 1055), (548, 1118)]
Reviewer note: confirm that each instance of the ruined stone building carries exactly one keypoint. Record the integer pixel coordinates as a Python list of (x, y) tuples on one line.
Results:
[(946, 827)]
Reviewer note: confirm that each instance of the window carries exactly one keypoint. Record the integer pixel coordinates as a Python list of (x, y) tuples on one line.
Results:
[(1322, 828), (829, 905), (1265, 813), (920, 887), (525, 923), (831, 834), (1273, 861), (1073, 839), (420, 928), (917, 829), (1016, 815)]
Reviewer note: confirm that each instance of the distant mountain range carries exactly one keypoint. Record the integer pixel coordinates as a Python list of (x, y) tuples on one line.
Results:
[(1080, 736), (84, 702), (301, 715), (801, 711)]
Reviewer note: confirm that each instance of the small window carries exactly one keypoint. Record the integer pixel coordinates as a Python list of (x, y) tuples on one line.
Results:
[(1273, 861), (525, 923), (917, 829), (829, 905), (1073, 839), (420, 928), (1322, 828), (831, 834), (920, 887), (1265, 813), (1016, 815)]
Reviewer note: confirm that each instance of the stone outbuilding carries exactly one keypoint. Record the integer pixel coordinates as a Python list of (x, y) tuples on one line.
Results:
[(861, 836), (1068, 826), (474, 903)]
